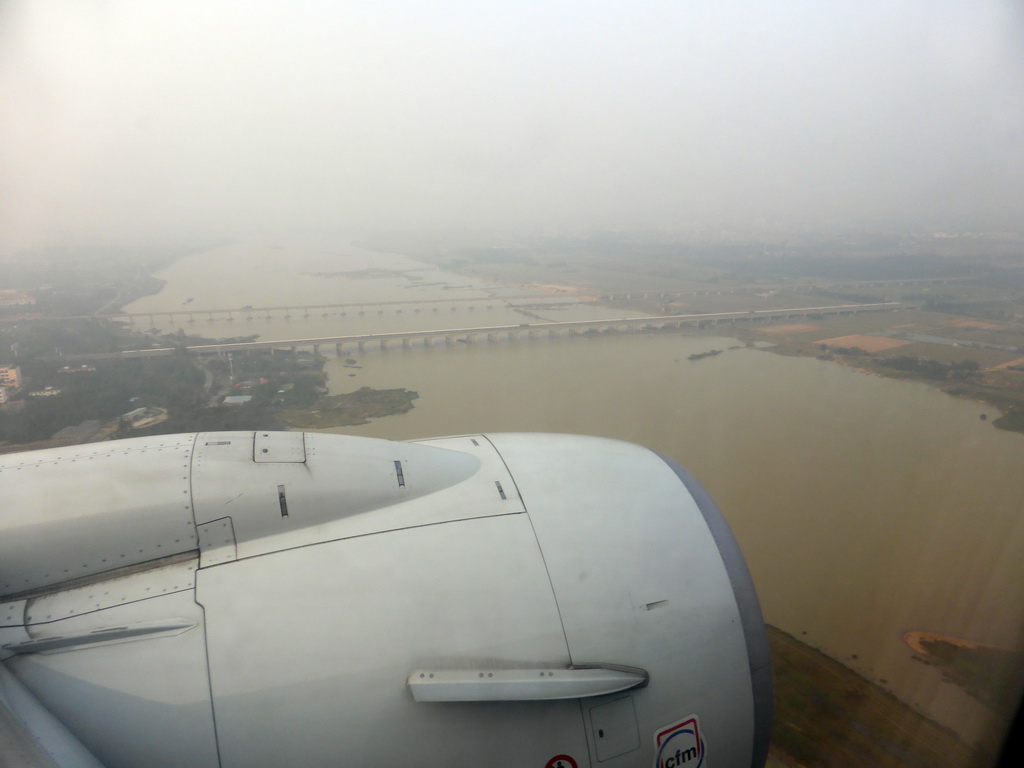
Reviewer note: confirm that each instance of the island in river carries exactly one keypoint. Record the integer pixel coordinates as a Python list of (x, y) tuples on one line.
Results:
[(702, 355), (350, 409)]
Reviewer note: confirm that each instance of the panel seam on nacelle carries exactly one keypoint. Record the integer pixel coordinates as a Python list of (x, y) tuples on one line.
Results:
[(359, 536), (191, 490), (101, 576), (206, 657), (30, 623), (540, 549)]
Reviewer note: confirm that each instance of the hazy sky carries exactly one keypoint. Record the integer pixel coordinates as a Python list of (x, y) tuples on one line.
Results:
[(135, 121)]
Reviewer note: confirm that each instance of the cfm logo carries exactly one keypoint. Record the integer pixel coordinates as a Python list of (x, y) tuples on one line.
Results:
[(680, 745)]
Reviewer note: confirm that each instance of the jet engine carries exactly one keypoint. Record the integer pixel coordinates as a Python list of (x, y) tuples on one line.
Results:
[(275, 599)]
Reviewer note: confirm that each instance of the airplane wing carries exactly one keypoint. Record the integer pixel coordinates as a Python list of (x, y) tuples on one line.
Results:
[(30, 737)]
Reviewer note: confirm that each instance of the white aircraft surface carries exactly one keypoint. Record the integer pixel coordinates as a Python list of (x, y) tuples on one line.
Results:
[(242, 599)]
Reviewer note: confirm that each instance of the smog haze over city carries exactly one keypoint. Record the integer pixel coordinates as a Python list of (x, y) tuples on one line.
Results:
[(128, 122)]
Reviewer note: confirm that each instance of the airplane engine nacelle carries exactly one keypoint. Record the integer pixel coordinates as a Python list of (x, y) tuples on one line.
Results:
[(284, 598)]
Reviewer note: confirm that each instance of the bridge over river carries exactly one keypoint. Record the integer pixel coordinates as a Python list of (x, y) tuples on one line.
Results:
[(191, 314), (446, 336)]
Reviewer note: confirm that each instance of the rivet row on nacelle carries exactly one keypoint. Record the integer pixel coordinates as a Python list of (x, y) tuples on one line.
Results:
[(158, 577), (65, 519)]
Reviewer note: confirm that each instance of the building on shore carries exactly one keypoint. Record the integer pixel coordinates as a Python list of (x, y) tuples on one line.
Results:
[(135, 416), (10, 376), (10, 297)]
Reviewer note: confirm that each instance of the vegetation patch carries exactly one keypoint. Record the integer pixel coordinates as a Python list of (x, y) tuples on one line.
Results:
[(869, 344), (931, 369), (1012, 420), (352, 408)]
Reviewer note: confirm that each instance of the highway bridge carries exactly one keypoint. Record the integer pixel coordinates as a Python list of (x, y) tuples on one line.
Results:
[(191, 314), (286, 311), (447, 336)]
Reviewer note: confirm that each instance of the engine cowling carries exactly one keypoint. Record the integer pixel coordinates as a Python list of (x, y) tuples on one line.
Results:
[(250, 599)]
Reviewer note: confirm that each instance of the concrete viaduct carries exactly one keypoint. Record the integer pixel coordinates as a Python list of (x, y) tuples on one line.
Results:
[(448, 336), (191, 314)]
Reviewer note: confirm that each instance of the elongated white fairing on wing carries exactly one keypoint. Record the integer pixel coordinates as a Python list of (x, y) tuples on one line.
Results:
[(522, 684)]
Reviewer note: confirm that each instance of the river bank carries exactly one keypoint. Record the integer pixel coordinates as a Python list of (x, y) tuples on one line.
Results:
[(826, 714), (884, 344)]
